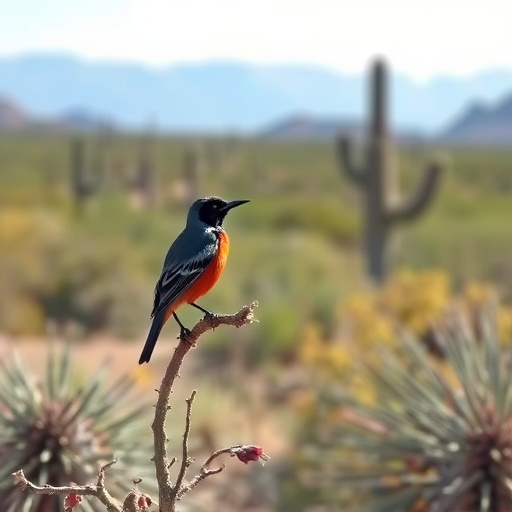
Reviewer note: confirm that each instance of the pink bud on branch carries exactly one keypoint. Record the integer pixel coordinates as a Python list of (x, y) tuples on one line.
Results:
[(248, 452), (71, 501)]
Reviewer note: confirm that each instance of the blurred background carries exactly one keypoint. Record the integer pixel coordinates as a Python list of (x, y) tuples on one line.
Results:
[(373, 138)]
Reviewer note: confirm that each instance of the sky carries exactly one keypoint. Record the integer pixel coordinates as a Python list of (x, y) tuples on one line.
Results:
[(422, 38)]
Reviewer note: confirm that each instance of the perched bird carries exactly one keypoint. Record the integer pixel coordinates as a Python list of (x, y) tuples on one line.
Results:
[(192, 266)]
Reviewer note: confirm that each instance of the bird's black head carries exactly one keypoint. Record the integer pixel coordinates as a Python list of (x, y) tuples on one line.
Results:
[(213, 210)]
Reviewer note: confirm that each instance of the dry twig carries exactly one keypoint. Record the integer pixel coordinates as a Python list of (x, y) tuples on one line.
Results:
[(168, 493), (98, 490)]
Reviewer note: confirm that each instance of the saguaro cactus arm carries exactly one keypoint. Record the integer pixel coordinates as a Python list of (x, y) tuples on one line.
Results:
[(419, 201), (345, 153)]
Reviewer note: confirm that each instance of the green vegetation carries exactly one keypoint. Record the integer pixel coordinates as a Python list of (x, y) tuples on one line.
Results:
[(436, 435), (97, 272), (296, 248)]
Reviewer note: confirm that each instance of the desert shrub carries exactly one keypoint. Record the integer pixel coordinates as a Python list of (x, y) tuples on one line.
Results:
[(380, 395), (51, 271), (62, 428), (31, 243), (436, 436), (411, 301), (317, 215)]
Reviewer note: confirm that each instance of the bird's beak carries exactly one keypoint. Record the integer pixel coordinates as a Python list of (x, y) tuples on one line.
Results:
[(234, 204)]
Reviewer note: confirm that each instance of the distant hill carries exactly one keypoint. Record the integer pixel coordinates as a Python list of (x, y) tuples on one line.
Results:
[(12, 116), (82, 119), (482, 124), (220, 96), (305, 127)]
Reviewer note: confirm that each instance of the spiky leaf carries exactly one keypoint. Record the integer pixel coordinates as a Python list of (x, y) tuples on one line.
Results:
[(61, 429), (438, 437)]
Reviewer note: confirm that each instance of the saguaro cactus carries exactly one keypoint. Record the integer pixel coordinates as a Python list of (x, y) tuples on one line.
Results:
[(81, 185), (192, 170), (376, 178), (145, 181), (101, 168)]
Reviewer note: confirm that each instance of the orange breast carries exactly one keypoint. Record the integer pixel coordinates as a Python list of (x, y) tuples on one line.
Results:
[(207, 279)]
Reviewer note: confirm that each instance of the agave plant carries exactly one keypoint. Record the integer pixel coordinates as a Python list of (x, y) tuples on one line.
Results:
[(437, 438), (60, 430)]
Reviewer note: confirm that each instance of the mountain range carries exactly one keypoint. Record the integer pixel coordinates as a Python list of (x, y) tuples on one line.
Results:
[(220, 96), (482, 123)]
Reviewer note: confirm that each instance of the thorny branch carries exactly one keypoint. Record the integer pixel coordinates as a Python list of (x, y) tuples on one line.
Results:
[(244, 453), (185, 459), (161, 459), (168, 493), (98, 490), (204, 472)]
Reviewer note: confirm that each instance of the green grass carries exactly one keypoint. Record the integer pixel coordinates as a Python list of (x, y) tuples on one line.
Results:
[(295, 247)]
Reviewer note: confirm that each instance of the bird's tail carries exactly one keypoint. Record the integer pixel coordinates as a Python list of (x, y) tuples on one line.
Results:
[(154, 331)]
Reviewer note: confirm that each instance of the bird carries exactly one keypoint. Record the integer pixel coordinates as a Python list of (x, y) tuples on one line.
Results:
[(193, 265)]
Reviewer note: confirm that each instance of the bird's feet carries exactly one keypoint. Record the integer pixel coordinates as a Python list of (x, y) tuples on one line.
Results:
[(185, 336), (208, 315), (211, 317), (184, 332)]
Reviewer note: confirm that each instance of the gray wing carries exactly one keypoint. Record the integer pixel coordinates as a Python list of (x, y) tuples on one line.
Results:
[(179, 274)]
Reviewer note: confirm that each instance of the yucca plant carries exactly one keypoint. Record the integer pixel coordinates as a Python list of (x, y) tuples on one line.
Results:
[(61, 429), (437, 437)]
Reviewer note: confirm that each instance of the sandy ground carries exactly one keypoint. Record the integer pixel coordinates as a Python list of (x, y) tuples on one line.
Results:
[(221, 417), (245, 414), (122, 356)]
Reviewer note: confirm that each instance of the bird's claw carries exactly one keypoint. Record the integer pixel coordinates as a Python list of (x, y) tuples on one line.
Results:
[(185, 336), (209, 316), (184, 333)]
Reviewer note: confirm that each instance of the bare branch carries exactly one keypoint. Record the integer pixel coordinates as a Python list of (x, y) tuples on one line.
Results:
[(245, 453), (98, 490), (204, 472), (184, 455), (167, 495), (208, 323)]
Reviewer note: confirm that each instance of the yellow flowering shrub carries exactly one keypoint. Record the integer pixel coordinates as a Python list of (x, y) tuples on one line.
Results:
[(411, 301), (415, 299), (29, 245), (52, 269)]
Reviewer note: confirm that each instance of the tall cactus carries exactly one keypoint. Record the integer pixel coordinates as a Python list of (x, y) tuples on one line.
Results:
[(81, 185), (145, 181), (375, 176), (192, 170), (101, 169)]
